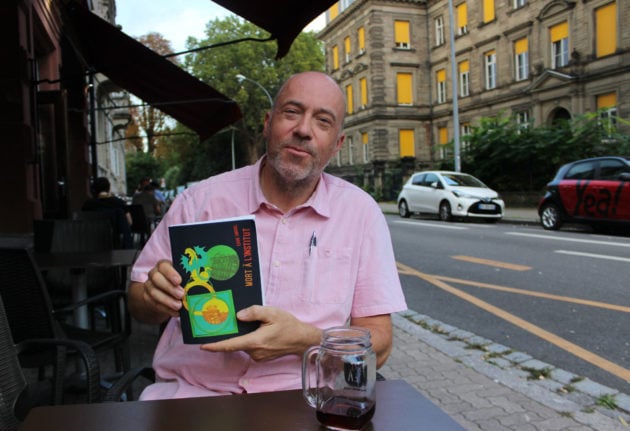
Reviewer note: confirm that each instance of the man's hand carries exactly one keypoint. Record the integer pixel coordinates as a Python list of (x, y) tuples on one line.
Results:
[(280, 334), (158, 298)]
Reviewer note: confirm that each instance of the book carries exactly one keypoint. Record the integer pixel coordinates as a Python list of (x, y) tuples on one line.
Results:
[(220, 269)]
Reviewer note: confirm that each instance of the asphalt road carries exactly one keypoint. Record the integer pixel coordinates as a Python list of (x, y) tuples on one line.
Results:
[(562, 297)]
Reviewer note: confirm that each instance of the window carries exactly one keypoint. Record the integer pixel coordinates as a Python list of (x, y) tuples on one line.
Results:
[(335, 57), (406, 142), (521, 59), (607, 108), (365, 140), (404, 89), (361, 39), (490, 60), (401, 34), (519, 3), (443, 140), (488, 11), (462, 19), (349, 99), (522, 119), (350, 150), (347, 49), (363, 90), (464, 78), (439, 30), (606, 30), (440, 78), (559, 35), (465, 131)]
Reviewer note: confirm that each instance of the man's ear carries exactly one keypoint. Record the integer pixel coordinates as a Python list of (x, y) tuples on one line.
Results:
[(267, 125), (339, 142)]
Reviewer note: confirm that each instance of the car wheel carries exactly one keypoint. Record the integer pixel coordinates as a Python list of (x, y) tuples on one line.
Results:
[(550, 217), (445, 211), (403, 209)]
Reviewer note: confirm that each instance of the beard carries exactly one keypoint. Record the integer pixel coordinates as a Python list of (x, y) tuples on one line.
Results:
[(294, 171)]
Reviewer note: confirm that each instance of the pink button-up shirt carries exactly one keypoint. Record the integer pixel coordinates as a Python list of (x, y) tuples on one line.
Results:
[(350, 272)]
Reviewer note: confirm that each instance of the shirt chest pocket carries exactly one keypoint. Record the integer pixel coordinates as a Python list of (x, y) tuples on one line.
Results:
[(328, 276)]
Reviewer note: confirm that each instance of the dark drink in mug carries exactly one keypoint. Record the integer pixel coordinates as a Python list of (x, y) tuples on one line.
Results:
[(345, 414)]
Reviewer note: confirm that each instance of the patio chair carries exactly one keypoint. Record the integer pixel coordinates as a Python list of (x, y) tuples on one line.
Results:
[(17, 395), (31, 314)]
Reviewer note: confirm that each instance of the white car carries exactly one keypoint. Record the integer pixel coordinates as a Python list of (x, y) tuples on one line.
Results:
[(449, 195)]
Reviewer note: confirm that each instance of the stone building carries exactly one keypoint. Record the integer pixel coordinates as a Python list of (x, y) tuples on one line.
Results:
[(539, 60)]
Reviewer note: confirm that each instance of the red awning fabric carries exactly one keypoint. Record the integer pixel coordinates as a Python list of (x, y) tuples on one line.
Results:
[(146, 74), (284, 19)]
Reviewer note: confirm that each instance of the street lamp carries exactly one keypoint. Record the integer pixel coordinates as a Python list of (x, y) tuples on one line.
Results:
[(451, 26), (242, 78)]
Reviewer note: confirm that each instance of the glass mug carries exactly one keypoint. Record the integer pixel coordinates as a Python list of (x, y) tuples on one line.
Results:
[(345, 373)]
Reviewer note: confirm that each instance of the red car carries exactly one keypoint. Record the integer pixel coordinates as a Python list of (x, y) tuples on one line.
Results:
[(593, 191)]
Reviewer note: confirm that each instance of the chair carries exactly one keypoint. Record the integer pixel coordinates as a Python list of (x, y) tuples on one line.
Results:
[(140, 224), (31, 314), (121, 230), (17, 396)]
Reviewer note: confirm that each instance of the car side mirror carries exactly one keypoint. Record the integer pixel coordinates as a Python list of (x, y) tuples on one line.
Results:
[(435, 185), (625, 176)]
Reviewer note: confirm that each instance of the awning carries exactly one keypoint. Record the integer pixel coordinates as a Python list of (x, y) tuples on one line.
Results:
[(284, 19), (146, 74)]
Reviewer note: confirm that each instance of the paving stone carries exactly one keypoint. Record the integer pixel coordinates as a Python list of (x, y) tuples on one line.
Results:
[(593, 388), (518, 357)]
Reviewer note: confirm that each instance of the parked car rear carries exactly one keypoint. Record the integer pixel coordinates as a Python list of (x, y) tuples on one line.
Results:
[(593, 191)]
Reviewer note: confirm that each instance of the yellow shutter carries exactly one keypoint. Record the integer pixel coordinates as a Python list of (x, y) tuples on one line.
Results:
[(401, 33), (520, 46), (464, 66), (365, 138), (333, 12), (488, 10), (349, 99), (335, 54), (441, 75), (559, 32), (491, 52), (443, 132), (363, 87), (462, 15), (346, 42), (606, 31), (606, 101), (406, 139), (361, 37), (404, 90)]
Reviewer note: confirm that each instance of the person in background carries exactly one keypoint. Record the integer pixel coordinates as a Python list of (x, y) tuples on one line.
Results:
[(150, 204), (348, 278), (103, 200)]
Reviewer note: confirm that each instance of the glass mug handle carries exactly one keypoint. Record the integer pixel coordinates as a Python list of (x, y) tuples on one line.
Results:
[(310, 394)]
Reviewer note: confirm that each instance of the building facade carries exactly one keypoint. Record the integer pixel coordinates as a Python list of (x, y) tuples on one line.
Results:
[(538, 60)]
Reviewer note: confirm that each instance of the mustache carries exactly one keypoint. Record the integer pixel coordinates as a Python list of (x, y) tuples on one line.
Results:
[(300, 144)]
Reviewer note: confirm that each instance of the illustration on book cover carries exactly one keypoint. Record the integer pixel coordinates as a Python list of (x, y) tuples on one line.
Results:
[(218, 263)]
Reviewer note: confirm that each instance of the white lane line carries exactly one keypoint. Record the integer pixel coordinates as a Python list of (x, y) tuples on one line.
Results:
[(558, 238), (438, 225), (593, 255)]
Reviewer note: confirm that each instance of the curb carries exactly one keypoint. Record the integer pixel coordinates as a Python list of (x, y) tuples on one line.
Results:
[(556, 388)]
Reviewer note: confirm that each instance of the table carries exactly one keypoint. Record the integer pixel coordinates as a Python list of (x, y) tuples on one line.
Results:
[(77, 263), (399, 407)]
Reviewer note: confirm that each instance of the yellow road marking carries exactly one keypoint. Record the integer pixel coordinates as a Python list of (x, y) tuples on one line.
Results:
[(550, 337), (496, 263), (605, 305)]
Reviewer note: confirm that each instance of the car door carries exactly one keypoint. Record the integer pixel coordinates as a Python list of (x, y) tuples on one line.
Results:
[(608, 195), (432, 193), (414, 192)]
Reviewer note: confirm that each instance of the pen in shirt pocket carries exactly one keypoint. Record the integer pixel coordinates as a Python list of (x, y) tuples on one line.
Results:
[(312, 243)]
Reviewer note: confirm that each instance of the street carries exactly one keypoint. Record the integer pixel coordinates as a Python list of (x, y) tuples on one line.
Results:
[(563, 297)]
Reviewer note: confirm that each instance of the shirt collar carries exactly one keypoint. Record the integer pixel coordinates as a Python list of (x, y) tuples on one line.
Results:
[(319, 200)]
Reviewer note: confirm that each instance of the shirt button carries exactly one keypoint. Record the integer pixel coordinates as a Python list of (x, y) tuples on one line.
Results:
[(284, 221), (276, 264)]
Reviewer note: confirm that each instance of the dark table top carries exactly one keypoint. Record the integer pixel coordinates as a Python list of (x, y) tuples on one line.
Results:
[(399, 407), (92, 259)]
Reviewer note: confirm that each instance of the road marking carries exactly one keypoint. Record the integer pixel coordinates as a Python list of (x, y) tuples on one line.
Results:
[(550, 337), (438, 225), (558, 238), (495, 263), (569, 299), (593, 255)]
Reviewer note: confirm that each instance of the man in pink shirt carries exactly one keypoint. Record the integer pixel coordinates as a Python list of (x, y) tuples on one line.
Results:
[(347, 276)]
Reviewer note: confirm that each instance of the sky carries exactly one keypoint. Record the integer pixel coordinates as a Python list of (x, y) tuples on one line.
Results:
[(174, 20)]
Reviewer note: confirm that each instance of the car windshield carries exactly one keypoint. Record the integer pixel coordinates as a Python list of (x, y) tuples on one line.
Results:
[(462, 180)]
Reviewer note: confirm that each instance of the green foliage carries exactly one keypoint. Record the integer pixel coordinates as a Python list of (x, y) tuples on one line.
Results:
[(509, 156), (140, 165)]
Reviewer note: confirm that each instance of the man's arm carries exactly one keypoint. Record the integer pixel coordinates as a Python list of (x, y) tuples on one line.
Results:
[(380, 328)]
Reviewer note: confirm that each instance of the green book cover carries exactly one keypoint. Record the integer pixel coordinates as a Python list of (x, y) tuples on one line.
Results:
[(220, 270)]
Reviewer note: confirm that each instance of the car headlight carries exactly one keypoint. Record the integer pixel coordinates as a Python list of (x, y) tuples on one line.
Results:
[(460, 194)]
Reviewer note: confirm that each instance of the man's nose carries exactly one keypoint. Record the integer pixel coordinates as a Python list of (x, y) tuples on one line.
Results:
[(303, 127)]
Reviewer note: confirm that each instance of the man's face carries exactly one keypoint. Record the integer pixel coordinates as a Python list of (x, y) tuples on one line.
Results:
[(304, 130)]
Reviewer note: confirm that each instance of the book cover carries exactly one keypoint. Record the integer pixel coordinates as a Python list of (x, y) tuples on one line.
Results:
[(220, 270)]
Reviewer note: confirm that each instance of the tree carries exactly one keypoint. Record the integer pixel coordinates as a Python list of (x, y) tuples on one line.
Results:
[(219, 66), (150, 120)]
